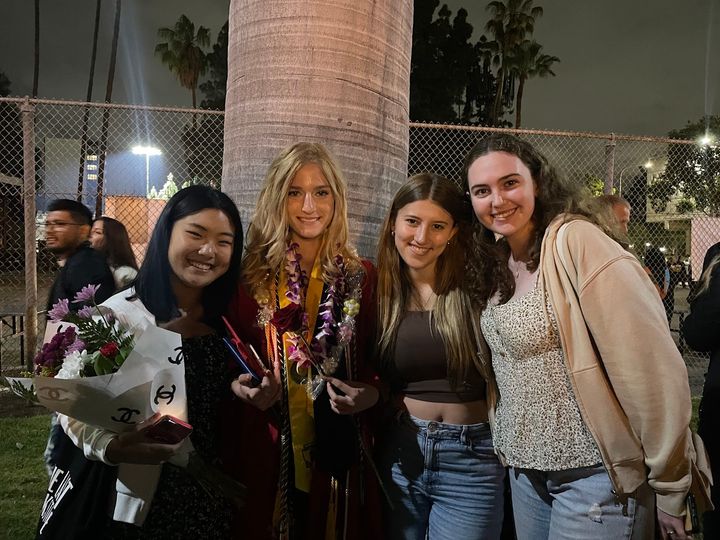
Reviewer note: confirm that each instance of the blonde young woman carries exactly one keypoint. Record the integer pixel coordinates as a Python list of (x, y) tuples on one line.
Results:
[(594, 408), (437, 459), (305, 304)]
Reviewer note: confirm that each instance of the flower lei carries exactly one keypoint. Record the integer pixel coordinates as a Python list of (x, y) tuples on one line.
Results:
[(323, 352)]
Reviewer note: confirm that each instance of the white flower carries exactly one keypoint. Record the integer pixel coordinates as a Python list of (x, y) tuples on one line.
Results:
[(73, 365)]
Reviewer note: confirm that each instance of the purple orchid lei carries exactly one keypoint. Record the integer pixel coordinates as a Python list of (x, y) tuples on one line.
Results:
[(325, 348)]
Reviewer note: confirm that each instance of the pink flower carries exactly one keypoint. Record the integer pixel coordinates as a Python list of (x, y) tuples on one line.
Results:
[(86, 312), (60, 310), (86, 294)]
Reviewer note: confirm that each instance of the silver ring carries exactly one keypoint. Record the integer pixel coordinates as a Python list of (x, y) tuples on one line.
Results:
[(670, 533)]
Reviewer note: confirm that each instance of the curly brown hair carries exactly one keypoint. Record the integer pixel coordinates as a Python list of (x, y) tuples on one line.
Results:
[(487, 269)]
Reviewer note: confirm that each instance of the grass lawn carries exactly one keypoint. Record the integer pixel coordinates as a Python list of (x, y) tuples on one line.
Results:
[(23, 479)]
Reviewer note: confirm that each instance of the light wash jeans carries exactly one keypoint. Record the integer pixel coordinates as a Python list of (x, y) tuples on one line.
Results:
[(444, 480), (578, 504)]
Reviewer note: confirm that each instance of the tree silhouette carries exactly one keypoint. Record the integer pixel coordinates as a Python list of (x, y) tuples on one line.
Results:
[(182, 52), (692, 172), (525, 61), (215, 87), (511, 21)]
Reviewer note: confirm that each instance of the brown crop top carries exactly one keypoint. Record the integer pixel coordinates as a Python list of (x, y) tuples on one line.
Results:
[(420, 365)]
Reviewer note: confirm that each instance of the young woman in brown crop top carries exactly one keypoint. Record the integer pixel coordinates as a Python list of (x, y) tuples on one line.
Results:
[(437, 458)]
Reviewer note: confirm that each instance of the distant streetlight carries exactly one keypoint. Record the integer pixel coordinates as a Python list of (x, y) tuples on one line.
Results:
[(146, 151), (706, 140)]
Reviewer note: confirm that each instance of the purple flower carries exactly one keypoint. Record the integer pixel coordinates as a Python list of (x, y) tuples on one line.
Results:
[(86, 294), (86, 312), (60, 310), (76, 346), (53, 352)]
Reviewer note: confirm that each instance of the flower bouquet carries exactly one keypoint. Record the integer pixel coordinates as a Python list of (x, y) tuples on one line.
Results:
[(94, 369)]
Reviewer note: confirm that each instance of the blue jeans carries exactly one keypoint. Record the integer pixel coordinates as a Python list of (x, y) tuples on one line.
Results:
[(444, 481), (578, 504)]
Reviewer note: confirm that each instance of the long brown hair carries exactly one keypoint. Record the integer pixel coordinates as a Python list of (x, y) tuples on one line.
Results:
[(452, 309), (488, 272)]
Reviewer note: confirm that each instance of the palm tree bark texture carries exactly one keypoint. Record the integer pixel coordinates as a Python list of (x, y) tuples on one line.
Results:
[(330, 71)]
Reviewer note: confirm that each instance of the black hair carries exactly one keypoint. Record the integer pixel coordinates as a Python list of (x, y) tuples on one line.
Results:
[(79, 212), (153, 286)]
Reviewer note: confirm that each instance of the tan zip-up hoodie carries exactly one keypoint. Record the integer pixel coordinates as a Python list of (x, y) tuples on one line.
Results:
[(629, 379)]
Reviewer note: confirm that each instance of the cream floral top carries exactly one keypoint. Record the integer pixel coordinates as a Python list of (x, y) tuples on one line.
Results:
[(537, 423)]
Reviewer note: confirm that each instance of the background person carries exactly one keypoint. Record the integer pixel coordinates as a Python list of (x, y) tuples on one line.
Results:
[(110, 237), (701, 333), (67, 227), (591, 445), (437, 458), (300, 458), (620, 209), (188, 275)]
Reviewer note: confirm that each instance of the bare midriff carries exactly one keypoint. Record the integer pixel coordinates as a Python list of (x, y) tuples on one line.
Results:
[(470, 412)]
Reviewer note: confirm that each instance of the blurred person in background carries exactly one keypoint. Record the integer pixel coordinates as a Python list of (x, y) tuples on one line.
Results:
[(110, 237), (700, 331), (67, 227)]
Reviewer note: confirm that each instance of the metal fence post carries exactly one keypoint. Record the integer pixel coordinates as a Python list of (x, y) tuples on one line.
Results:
[(609, 165), (31, 319)]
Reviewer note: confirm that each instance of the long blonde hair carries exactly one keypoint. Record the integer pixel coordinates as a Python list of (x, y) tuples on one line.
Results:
[(453, 310), (269, 230)]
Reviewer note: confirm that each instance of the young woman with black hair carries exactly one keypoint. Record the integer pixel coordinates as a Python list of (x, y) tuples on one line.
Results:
[(110, 237), (187, 277)]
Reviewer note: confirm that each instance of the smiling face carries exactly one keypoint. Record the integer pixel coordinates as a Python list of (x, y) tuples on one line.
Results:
[(422, 231), (502, 192), (310, 204), (201, 246), (97, 234)]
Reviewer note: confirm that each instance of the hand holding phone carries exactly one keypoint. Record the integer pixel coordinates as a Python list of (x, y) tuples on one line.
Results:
[(167, 430)]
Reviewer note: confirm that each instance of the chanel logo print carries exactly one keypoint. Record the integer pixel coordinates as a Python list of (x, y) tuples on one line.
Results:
[(167, 395), (178, 357), (126, 416), (53, 394)]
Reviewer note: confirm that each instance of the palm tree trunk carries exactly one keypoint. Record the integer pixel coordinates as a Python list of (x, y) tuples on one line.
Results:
[(106, 112), (343, 80), (88, 98), (36, 69), (518, 100), (497, 105)]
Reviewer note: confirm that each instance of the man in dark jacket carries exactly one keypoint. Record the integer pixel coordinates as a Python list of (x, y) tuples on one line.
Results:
[(67, 229)]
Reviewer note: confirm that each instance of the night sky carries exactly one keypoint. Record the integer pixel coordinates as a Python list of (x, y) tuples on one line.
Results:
[(626, 66)]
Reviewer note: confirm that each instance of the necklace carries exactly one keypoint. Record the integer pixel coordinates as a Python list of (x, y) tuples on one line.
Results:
[(424, 305)]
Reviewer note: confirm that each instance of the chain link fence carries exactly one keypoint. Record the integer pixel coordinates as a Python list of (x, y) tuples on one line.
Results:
[(126, 161)]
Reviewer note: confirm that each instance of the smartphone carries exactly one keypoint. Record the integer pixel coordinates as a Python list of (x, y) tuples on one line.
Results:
[(168, 430)]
